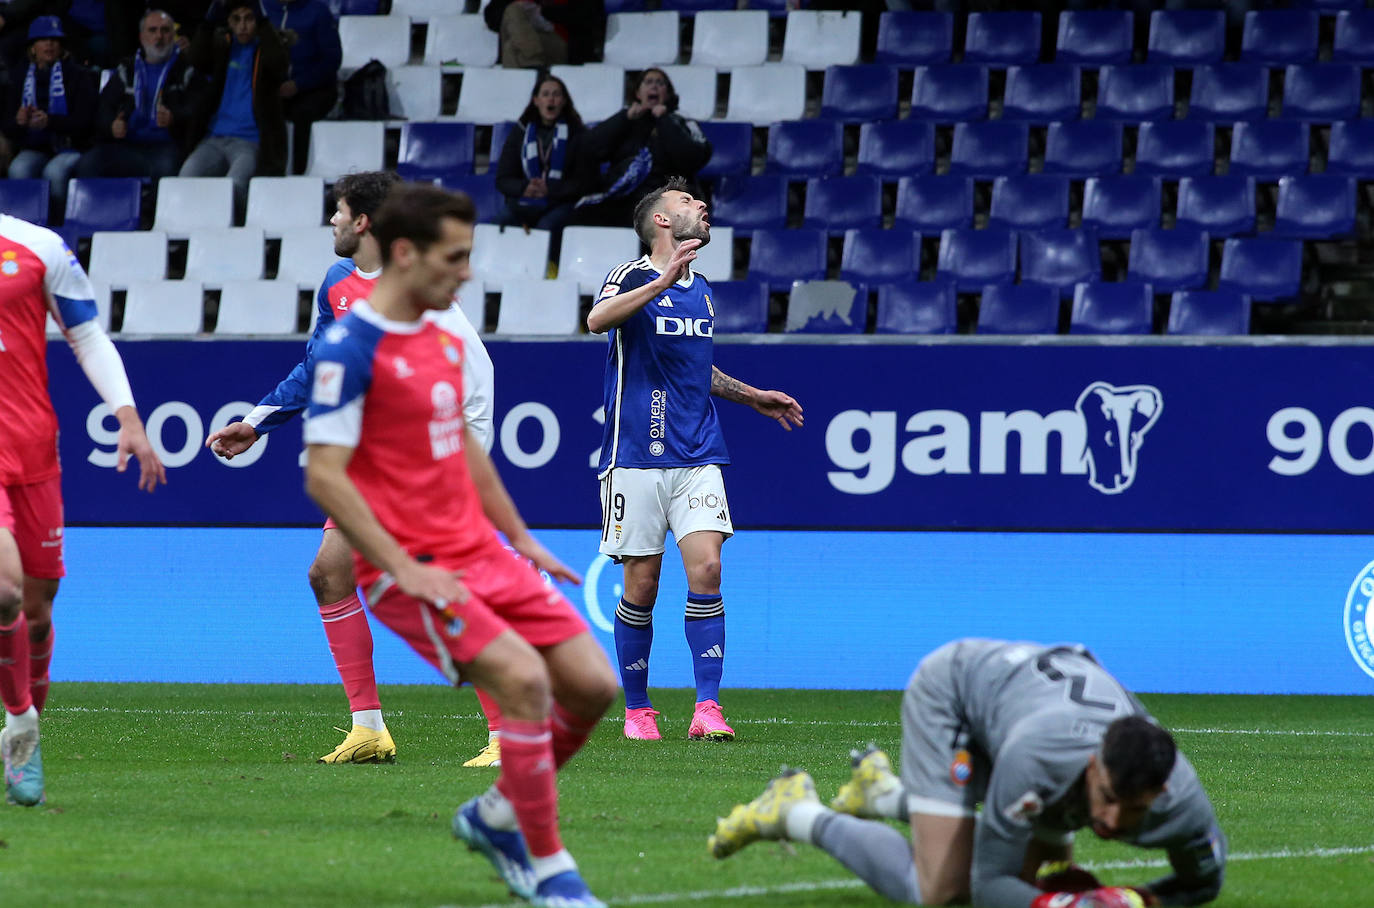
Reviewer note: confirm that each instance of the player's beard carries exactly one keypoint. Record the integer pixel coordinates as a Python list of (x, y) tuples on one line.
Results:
[(345, 246), (694, 230)]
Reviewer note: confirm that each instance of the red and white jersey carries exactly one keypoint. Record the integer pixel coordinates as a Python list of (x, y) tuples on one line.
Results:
[(38, 275), (393, 392)]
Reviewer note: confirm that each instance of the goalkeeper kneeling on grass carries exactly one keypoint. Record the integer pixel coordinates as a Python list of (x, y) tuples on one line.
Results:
[(1047, 741)]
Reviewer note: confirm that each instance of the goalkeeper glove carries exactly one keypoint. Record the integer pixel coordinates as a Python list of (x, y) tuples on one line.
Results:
[(1105, 897)]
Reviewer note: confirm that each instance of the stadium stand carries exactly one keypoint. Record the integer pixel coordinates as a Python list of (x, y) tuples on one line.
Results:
[(1227, 92), (1115, 205), (1018, 309), (928, 307), (1060, 257), (27, 199), (1176, 148), (123, 257), (732, 148), (932, 203), (1169, 260), (1276, 37), (430, 151), (879, 257), (1083, 148), (461, 40), (818, 39), (750, 203), (800, 149), (1266, 269), (949, 92), (101, 203), (1222, 206), (896, 148), (281, 204), (838, 204), (186, 204), (1002, 38), (1095, 37), (729, 38), (1042, 93), (977, 257), (826, 307), (1216, 312), (637, 40), (741, 307), (910, 38), (765, 94), (860, 93), (163, 308), (779, 257), (1124, 308), (533, 305), (257, 308), (1187, 37), (1136, 93), (1029, 202)]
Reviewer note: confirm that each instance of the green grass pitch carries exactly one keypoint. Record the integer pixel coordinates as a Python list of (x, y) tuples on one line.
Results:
[(206, 795)]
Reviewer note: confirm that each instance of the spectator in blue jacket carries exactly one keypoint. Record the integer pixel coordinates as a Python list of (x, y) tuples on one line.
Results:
[(310, 32)]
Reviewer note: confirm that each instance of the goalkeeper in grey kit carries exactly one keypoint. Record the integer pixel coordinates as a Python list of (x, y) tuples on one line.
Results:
[(1047, 741)]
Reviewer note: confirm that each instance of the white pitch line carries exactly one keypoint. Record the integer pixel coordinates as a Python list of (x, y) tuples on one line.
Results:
[(851, 883), (1283, 732)]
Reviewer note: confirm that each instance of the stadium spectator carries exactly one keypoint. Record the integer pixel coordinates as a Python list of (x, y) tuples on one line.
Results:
[(1048, 742), (247, 64), (661, 455), (42, 277), (147, 108), (540, 33), (358, 196), (312, 85), (99, 32), (391, 459), (538, 171), (641, 146), (50, 105)]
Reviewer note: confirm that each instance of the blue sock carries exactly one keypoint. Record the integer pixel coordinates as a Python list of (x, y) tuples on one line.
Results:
[(705, 627), (634, 637)]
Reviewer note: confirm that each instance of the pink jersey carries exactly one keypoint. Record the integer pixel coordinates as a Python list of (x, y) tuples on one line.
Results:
[(393, 392), (38, 275)]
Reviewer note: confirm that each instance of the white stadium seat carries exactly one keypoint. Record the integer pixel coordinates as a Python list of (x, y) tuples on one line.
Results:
[(696, 90), (494, 95), (598, 89), (472, 299), (766, 94), (637, 40), (817, 39), (186, 203), (537, 306), (382, 38), (461, 40), (422, 10), (277, 204), (167, 308), (589, 253), (258, 307), (226, 254), (338, 147), (120, 257), (500, 254), (728, 38), (306, 254), (415, 92), (716, 260)]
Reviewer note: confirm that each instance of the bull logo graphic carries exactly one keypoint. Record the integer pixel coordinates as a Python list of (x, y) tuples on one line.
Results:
[(1116, 420)]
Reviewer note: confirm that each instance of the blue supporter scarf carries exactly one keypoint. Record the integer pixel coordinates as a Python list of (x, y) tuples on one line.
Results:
[(57, 92), (546, 163), (635, 174), (145, 107)]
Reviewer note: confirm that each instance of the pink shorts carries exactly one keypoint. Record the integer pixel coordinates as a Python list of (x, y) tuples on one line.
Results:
[(507, 594), (33, 513)]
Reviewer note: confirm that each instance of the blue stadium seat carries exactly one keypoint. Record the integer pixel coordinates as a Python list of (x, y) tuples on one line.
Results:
[(826, 307), (1060, 257), (1279, 36), (989, 149), (1101, 308), (1229, 92), (1083, 148), (1354, 42), (1214, 312), (1042, 93), (949, 92), (977, 257), (838, 204), (432, 150), (859, 94), (732, 148), (498, 139), (878, 257), (1351, 148), (1175, 148), (625, 6), (750, 203), (1002, 38), (805, 148), (772, 7), (1018, 309), (1316, 206), (1222, 206), (1136, 93), (927, 307), (692, 7), (779, 257), (896, 148), (1186, 37), (907, 38), (354, 7), (482, 189), (1268, 270), (1322, 92), (1095, 37), (1168, 259), (930, 203), (100, 203), (1115, 205), (1030, 202), (741, 307), (1269, 148), (25, 199)]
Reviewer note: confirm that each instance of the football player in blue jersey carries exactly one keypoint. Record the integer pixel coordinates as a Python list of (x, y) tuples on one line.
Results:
[(662, 449)]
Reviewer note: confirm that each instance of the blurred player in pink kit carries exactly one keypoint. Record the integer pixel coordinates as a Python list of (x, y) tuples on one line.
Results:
[(40, 275), (392, 460)]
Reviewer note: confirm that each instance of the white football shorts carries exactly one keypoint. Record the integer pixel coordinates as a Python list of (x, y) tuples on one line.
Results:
[(639, 507)]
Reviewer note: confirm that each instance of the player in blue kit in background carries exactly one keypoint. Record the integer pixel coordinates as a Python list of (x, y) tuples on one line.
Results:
[(662, 449)]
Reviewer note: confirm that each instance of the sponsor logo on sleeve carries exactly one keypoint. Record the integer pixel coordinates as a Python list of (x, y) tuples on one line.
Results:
[(328, 388), (608, 291), (961, 768), (1025, 808)]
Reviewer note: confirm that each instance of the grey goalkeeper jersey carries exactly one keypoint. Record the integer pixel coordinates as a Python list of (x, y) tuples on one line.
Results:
[(1038, 713)]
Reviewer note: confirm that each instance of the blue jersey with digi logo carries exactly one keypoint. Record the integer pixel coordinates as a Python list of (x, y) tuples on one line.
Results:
[(659, 411)]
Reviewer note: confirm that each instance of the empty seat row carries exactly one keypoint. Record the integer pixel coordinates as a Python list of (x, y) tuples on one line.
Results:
[(214, 256)]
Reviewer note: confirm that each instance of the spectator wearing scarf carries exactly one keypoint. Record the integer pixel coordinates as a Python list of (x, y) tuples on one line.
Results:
[(540, 169), (49, 110), (641, 147), (147, 109)]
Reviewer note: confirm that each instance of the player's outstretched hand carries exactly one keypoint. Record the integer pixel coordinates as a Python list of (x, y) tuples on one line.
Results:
[(1064, 876), (134, 441), (432, 584), (234, 438), (543, 559), (681, 259), (1105, 897), (779, 406)]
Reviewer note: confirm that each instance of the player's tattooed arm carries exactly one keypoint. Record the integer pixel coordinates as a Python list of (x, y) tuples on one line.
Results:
[(773, 404), (729, 388)]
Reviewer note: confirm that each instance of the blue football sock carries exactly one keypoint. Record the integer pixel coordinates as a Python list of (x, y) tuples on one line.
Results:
[(705, 627), (634, 637)]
